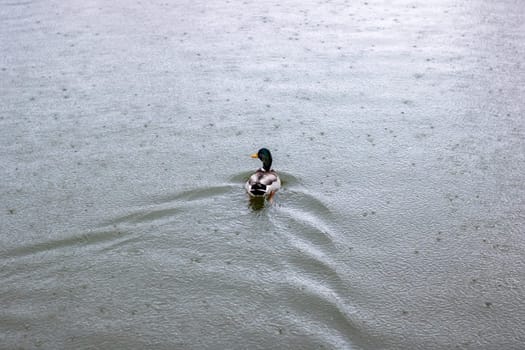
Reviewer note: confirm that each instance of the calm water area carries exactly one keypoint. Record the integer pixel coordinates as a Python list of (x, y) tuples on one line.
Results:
[(398, 130)]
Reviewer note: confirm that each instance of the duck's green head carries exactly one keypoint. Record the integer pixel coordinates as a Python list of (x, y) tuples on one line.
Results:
[(265, 156)]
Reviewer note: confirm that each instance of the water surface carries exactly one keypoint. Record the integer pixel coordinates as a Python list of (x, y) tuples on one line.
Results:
[(125, 135)]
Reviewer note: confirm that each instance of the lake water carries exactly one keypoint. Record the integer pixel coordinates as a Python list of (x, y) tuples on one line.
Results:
[(125, 133)]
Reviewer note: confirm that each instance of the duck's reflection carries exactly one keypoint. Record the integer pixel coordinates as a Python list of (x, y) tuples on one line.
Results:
[(257, 203)]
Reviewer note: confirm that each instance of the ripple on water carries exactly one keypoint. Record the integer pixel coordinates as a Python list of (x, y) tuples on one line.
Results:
[(312, 274), (166, 208), (320, 304), (120, 230), (309, 215), (94, 238), (194, 194)]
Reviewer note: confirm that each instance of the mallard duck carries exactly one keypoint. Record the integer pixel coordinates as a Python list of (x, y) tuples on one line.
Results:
[(265, 182)]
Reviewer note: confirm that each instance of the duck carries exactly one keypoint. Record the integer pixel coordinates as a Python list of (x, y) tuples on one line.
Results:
[(265, 181)]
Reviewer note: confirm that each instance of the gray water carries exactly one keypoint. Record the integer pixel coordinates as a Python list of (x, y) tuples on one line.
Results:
[(125, 134)]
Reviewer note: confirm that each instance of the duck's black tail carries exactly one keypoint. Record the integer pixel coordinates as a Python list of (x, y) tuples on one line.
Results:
[(258, 189)]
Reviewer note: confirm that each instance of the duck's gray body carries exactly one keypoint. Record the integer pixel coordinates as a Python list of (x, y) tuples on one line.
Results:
[(263, 183)]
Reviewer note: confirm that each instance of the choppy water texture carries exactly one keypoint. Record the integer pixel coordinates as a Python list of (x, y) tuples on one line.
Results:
[(125, 134)]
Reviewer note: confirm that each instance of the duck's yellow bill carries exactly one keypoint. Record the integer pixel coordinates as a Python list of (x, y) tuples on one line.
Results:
[(255, 155)]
